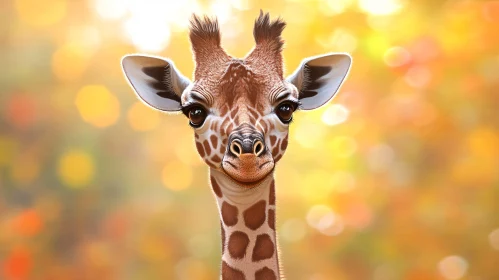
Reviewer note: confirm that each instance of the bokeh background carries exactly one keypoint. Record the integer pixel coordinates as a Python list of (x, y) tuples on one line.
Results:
[(396, 178)]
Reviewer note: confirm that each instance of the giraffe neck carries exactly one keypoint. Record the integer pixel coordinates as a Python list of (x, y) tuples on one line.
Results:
[(247, 217)]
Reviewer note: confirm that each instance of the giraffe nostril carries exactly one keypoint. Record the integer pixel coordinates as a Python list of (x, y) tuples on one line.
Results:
[(258, 148), (236, 148)]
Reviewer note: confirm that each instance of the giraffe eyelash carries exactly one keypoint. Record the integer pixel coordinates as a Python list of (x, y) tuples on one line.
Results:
[(298, 105), (188, 106), (295, 103)]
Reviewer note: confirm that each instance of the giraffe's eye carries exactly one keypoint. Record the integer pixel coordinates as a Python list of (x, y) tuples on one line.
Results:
[(285, 112), (196, 115)]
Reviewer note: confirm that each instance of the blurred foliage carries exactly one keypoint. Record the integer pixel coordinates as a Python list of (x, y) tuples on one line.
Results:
[(396, 178)]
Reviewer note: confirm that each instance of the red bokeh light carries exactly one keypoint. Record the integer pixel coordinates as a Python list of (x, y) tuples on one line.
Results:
[(18, 264), (21, 111)]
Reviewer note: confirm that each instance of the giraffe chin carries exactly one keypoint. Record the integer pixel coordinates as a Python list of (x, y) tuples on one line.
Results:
[(248, 169)]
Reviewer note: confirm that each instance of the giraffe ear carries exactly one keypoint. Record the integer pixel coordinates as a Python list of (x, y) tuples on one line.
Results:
[(318, 78), (155, 80)]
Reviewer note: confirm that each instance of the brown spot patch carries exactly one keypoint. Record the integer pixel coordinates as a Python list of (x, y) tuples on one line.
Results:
[(254, 216), (275, 150), (271, 219), (265, 274), (214, 141), (272, 126), (265, 126), (216, 159), (272, 193), (229, 273), (284, 143), (233, 114), (223, 238), (200, 149), (215, 187), (238, 243), (224, 123), (254, 113), (278, 158), (272, 140), (264, 248), (207, 148), (229, 214)]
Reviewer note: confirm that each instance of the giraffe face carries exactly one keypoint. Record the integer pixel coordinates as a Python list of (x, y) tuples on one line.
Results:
[(241, 115), (240, 109)]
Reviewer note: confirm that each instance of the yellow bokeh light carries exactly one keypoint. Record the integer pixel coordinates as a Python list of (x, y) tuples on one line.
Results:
[(222, 9), (342, 181), (334, 7), (303, 132), (69, 62), (377, 45), (148, 33), (76, 168), (323, 218), (186, 151), (192, 268), (85, 38), (8, 148), (176, 175), (293, 230), (241, 5), (97, 105), (110, 9), (41, 13), (480, 164), (340, 39), (152, 248), (335, 114), (316, 213), (321, 187), (396, 56), (343, 146), (142, 118), (381, 7), (483, 143)]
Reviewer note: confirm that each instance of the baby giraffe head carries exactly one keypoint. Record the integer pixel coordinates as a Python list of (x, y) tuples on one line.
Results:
[(240, 109)]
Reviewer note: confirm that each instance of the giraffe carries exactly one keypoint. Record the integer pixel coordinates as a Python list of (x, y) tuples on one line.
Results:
[(240, 111)]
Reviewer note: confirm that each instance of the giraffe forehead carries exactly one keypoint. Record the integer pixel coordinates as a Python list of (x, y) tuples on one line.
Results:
[(239, 81), (236, 68), (247, 91)]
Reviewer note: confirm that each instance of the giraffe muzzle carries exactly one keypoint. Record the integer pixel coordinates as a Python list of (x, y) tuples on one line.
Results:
[(247, 158)]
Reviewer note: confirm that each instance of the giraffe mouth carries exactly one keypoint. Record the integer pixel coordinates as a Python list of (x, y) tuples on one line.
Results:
[(248, 168)]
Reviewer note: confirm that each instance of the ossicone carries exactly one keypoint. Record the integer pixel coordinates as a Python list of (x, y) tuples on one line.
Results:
[(269, 32)]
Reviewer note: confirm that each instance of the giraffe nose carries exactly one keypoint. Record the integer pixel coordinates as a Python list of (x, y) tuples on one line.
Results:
[(246, 146), (246, 140)]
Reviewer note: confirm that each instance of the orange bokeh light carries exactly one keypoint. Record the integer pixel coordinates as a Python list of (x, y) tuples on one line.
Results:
[(28, 223)]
